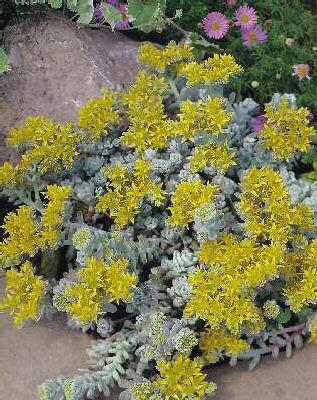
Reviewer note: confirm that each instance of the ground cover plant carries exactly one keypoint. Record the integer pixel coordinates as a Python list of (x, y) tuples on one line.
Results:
[(168, 220)]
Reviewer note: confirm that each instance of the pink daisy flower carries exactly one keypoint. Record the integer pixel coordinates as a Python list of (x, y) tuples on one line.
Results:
[(257, 123), (215, 25), (245, 17), (253, 36), (301, 71)]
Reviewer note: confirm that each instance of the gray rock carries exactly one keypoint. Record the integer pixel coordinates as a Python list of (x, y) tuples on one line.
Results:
[(58, 65)]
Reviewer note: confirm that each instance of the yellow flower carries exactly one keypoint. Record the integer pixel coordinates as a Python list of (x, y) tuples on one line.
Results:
[(52, 216), (24, 292), (223, 291), (9, 175), (286, 130), (160, 59), (212, 155), (98, 284), (129, 189), (216, 69), (20, 236), (24, 234), (187, 198), (97, 115), (301, 276), (267, 208), (271, 309), (149, 125), (182, 378), (215, 341), (49, 145), (201, 117)]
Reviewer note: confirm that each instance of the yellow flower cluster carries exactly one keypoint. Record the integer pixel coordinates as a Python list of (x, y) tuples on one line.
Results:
[(212, 155), (213, 342), (20, 236), (149, 125), (9, 175), (187, 198), (267, 208), (97, 115), (24, 235), (182, 378), (160, 59), (216, 69), (129, 189), (271, 309), (301, 276), (53, 214), (201, 117), (223, 290), (24, 292), (98, 284), (286, 130), (49, 145)]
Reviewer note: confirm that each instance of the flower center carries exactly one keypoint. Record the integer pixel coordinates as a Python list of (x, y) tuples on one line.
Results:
[(245, 18), (215, 25), (302, 72), (253, 37)]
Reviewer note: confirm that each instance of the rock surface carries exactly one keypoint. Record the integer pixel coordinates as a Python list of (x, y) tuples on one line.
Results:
[(57, 66)]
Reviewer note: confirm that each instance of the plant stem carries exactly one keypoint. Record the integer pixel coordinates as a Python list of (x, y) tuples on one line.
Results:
[(177, 27)]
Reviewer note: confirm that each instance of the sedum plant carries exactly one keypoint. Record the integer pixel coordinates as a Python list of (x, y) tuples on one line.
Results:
[(168, 220)]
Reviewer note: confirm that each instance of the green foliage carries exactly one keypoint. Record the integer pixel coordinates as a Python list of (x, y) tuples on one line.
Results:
[(147, 15), (270, 65), (4, 61)]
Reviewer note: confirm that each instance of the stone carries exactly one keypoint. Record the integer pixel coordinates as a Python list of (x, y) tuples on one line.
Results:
[(57, 65)]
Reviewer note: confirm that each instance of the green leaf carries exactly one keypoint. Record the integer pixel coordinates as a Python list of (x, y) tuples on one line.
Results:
[(85, 10), (147, 15), (55, 3), (72, 4), (4, 61), (111, 15), (284, 316)]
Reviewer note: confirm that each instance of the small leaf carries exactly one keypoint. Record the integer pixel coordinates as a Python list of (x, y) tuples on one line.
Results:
[(275, 352), (289, 350), (284, 316), (254, 362), (85, 10), (147, 15), (298, 341), (4, 61), (111, 15), (55, 3), (233, 361)]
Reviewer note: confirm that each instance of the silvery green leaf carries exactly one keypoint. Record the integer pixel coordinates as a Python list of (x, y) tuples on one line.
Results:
[(298, 341), (275, 352), (254, 362), (233, 361), (289, 350)]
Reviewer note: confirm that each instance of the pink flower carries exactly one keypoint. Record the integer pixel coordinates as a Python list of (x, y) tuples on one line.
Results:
[(215, 25), (245, 17), (124, 23), (301, 71), (257, 123), (253, 36)]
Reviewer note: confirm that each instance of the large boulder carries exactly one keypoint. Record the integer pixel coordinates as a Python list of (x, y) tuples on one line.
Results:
[(58, 65)]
